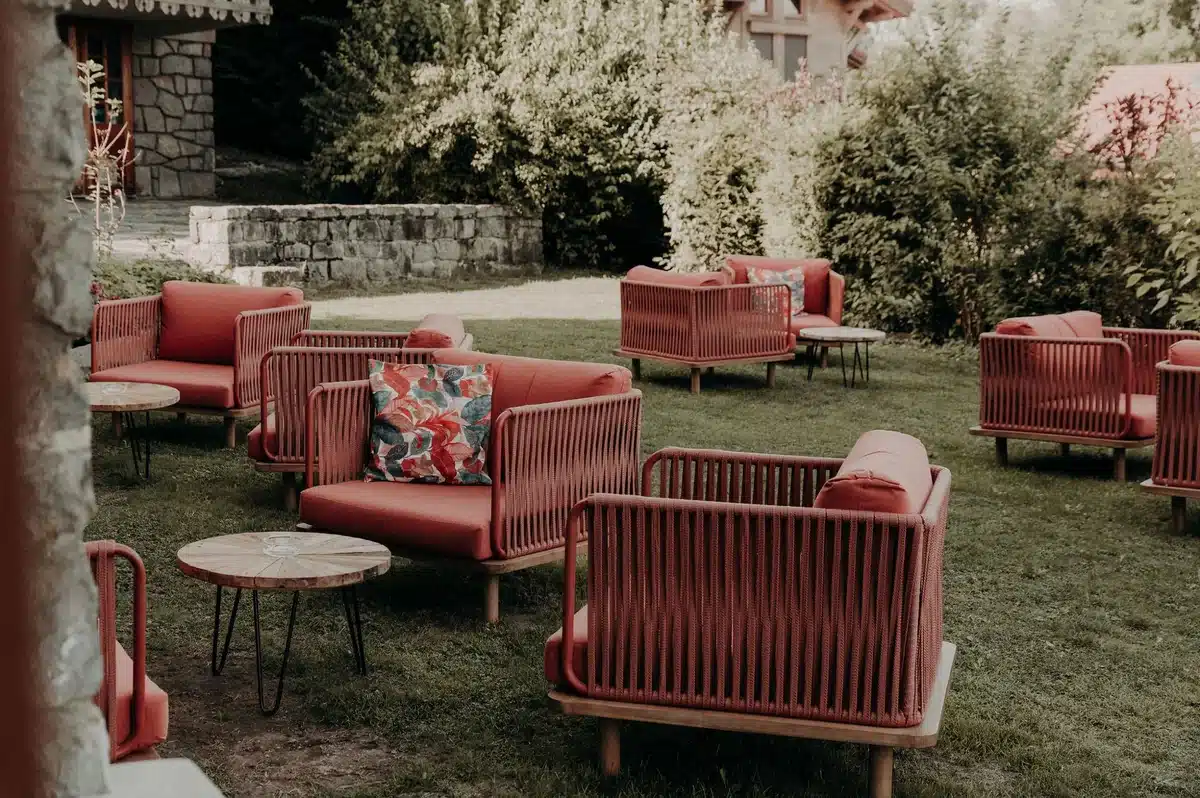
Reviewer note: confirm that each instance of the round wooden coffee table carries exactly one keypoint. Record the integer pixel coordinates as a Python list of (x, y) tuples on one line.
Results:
[(295, 561), (124, 400), (839, 337)]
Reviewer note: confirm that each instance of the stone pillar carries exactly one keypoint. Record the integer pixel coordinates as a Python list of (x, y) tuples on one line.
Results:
[(173, 116), (55, 439)]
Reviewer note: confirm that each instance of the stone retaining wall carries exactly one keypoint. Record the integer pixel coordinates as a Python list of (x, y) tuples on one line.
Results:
[(361, 244)]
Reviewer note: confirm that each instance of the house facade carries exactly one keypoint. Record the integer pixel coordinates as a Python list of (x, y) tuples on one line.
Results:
[(157, 59), (831, 35)]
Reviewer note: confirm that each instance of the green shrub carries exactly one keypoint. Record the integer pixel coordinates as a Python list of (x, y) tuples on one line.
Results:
[(114, 279)]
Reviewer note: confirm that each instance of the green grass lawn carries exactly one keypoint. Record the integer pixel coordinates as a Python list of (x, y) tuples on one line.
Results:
[(1076, 614)]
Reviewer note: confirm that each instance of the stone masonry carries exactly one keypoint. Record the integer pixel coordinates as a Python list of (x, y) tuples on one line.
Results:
[(173, 116), (361, 244)]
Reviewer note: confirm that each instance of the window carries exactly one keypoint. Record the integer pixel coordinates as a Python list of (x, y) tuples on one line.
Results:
[(793, 9), (759, 8), (794, 48), (765, 44)]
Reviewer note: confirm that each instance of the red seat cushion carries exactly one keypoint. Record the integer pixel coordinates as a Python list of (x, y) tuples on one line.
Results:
[(198, 318), (199, 384), (808, 321), (451, 520), (1185, 353), (436, 331), (518, 381), (1144, 413), (154, 720), (552, 655), (255, 444), (885, 472), (1076, 324), (645, 274), (816, 276)]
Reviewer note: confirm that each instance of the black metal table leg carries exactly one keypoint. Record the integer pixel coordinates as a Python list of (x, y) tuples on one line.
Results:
[(867, 372), (217, 667), (139, 446), (287, 649), (842, 350), (354, 622), (811, 354), (856, 366)]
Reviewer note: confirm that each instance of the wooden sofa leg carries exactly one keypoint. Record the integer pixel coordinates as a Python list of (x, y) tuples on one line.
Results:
[(610, 746), (491, 601), (1178, 514), (824, 357), (637, 368), (1064, 449), (291, 491), (711, 370), (230, 432), (116, 421), (881, 772), (695, 380), (770, 375), (1119, 465), (1001, 451)]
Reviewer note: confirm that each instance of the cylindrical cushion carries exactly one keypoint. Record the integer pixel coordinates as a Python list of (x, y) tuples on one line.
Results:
[(518, 381), (645, 274), (1076, 324), (885, 472), (1185, 353), (436, 331), (816, 276), (198, 318)]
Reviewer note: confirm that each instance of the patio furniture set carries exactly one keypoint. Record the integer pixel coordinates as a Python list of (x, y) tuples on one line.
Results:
[(829, 626)]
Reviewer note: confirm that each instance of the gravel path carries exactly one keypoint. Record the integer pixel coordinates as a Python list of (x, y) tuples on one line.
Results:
[(593, 298)]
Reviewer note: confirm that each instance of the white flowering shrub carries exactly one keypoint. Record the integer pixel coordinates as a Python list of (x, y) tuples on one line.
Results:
[(632, 126)]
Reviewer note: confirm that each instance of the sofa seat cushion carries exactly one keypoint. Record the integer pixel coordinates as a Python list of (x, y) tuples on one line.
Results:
[(436, 331), (199, 384), (198, 318), (1185, 353), (816, 276), (809, 321), (1076, 324), (450, 520), (645, 274), (885, 472), (155, 718), (518, 381), (256, 445), (1081, 410), (552, 655)]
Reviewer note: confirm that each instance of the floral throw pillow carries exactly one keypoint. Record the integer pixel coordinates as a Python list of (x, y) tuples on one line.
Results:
[(792, 278), (431, 423)]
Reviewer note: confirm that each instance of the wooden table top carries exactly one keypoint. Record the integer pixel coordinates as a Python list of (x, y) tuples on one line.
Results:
[(129, 397), (284, 560), (847, 335)]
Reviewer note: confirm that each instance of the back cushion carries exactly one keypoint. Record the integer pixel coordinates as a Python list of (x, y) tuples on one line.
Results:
[(1185, 353), (520, 381), (885, 472), (198, 318), (645, 274), (1076, 324), (436, 331), (816, 276)]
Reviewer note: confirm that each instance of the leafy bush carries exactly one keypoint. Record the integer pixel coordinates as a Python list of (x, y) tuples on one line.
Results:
[(1175, 208), (114, 279)]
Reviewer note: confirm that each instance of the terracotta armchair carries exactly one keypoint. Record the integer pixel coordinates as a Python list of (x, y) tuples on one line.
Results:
[(702, 321), (772, 594), (1068, 379), (1177, 453), (134, 707), (824, 289), (560, 430), (289, 373), (207, 341)]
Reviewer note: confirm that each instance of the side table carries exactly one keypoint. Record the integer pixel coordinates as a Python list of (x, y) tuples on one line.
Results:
[(125, 399), (839, 337)]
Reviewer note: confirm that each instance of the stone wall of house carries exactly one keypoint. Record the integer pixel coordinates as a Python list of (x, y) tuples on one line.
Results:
[(54, 438), (361, 244), (173, 115)]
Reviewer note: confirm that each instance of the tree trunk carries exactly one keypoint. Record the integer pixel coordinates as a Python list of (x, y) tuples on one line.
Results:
[(54, 438)]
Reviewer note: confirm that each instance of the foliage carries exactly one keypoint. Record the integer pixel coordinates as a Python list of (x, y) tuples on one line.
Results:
[(118, 279), (1175, 207), (108, 156)]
